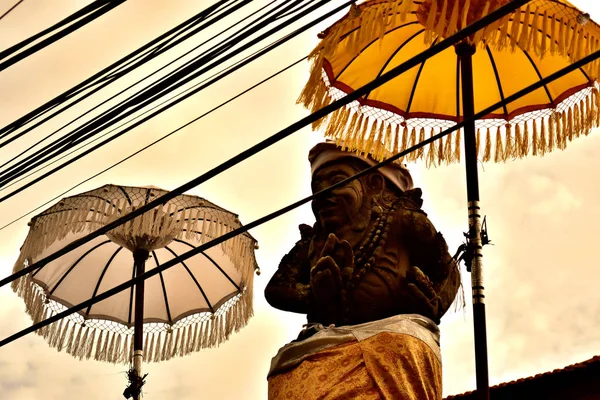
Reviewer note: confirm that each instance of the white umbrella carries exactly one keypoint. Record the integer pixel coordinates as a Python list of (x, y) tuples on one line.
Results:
[(196, 304)]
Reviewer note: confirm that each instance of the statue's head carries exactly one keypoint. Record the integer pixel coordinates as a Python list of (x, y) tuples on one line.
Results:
[(352, 205)]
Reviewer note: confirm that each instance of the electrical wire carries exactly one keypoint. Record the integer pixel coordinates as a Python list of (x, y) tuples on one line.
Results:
[(97, 125), (82, 17), (157, 141), (123, 91), (65, 141), (10, 9), (118, 69), (313, 117)]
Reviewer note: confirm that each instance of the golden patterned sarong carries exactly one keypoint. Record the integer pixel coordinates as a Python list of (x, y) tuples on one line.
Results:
[(387, 365)]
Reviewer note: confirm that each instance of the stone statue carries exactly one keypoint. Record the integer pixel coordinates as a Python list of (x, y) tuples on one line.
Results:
[(372, 257)]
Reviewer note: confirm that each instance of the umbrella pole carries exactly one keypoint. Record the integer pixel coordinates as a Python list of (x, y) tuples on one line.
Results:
[(139, 256), (465, 53)]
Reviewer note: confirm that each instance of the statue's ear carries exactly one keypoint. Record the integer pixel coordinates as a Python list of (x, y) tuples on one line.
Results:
[(376, 182)]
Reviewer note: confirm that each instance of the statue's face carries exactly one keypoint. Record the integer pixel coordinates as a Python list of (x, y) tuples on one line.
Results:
[(342, 206)]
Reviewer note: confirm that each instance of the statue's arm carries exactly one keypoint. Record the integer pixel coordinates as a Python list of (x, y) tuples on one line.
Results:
[(429, 252), (289, 288)]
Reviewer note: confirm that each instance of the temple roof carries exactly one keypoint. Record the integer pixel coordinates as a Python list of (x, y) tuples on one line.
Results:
[(581, 381)]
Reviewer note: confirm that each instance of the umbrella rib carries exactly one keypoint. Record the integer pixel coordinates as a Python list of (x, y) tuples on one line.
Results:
[(212, 261), (369, 44), (414, 88), (164, 289), (537, 71), (393, 55), (87, 312), (498, 82), (125, 194), (194, 279), (62, 278)]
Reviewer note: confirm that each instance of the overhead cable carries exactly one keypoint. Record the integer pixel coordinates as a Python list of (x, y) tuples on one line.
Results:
[(119, 68), (128, 109), (80, 18), (30, 148), (66, 141), (10, 9)]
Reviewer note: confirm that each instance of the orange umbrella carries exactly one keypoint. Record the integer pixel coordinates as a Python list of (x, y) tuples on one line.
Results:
[(527, 45)]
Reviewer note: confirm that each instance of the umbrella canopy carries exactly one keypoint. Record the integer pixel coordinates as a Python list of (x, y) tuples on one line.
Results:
[(535, 41), (195, 304)]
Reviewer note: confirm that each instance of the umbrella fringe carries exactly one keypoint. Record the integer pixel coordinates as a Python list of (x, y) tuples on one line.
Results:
[(487, 152)]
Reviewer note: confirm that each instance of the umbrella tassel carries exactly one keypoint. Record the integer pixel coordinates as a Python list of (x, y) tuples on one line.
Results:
[(62, 335), (570, 125), (577, 126), (430, 24), (175, 347), (544, 37), (441, 24), (596, 101), (553, 38), (535, 140), (551, 132), (589, 117), (90, 346), (561, 130), (387, 141), (69, 345), (499, 156), (352, 131), (192, 341), (583, 125), (516, 25), (421, 150), (453, 23), (524, 36), (152, 339), (58, 330), (457, 145), (579, 46), (447, 151), (82, 350), (99, 341), (542, 142), (509, 150), (156, 347), (360, 145), (401, 146), (406, 7), (431, 151), (45, 330), (368, 149), (533, 42), (378, 142), (479, 33), (524, 145), (501, 43), (413, 141), (561, 36), (343, 140), (185, 339), (110, 351), (487, 152)]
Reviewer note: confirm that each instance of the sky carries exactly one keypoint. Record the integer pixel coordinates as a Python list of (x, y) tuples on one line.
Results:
[(543, 305)]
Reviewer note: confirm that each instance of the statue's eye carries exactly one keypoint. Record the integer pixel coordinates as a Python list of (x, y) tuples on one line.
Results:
[(338, 178)]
